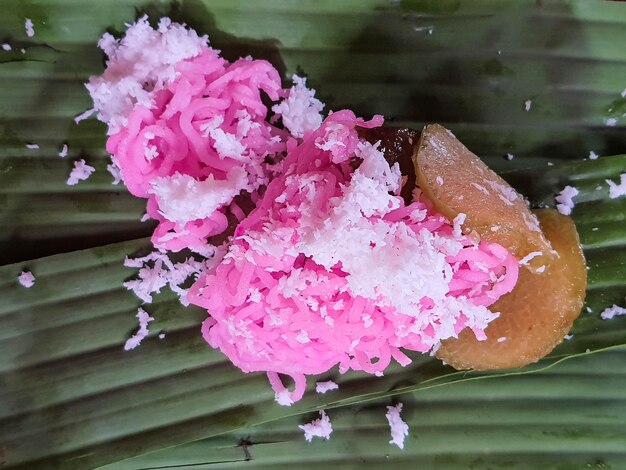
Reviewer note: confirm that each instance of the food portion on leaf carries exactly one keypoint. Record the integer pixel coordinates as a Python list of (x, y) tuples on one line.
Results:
[(336, 259)]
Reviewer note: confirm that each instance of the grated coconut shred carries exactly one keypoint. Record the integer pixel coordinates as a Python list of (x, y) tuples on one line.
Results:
[(190, 132), (323, 387), (80, 172), (564, 199), (399, 429), (26, 279), (617, 189), (320, 427), (142, 332), (612, 312)]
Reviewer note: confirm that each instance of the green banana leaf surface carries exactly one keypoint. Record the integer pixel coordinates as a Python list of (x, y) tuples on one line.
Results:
[(72, 398)]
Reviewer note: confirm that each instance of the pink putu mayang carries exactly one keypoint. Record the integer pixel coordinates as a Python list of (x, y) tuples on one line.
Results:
[(288, 298), (207, 124)]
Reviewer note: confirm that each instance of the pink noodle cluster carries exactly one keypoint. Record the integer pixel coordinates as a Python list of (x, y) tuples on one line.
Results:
[(274, 309), (209, 121)]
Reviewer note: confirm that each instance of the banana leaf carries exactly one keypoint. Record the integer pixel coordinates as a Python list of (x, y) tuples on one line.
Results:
[(70, 397), (470, 425)]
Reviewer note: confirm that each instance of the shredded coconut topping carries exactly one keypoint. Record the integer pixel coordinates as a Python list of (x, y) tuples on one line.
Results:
[(182, 198), (526, 259), (320, 427), (399, 429), (612, 312), (28, 26), (157, 270), (617, 190), (339, 259), (142, 332), (527, 105), (26, 279), (115, 172), (138, 66), (323, 387), (84, 115), (300, 110), (80, 172), (63, 152)]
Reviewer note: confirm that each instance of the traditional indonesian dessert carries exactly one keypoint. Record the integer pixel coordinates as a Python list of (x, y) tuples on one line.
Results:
[(318, 241)]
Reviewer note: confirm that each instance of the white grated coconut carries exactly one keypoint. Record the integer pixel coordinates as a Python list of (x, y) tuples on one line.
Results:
[(612, 312), (28, 26), (399, 429), (157, 270), (564, 200), (84, 115), (323, 387), (80, 172), (26, 279), (142, 332), (140, 64), (63, 152), (617, 190), (115, 171), (320, 427), (527, 105), (526, 259), (182, 198), (300, 110)]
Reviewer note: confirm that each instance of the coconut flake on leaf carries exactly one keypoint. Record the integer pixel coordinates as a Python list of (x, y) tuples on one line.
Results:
[(188, 123), (612, 312), (617, 189), (80, 172), (138, 66), (323, 387), (144, 318), (399, 429), (157, 271), (26, 279), (564, 199)]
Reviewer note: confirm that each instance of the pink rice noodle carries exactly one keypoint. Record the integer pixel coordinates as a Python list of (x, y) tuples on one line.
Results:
[(174, 136), (321, 324)]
